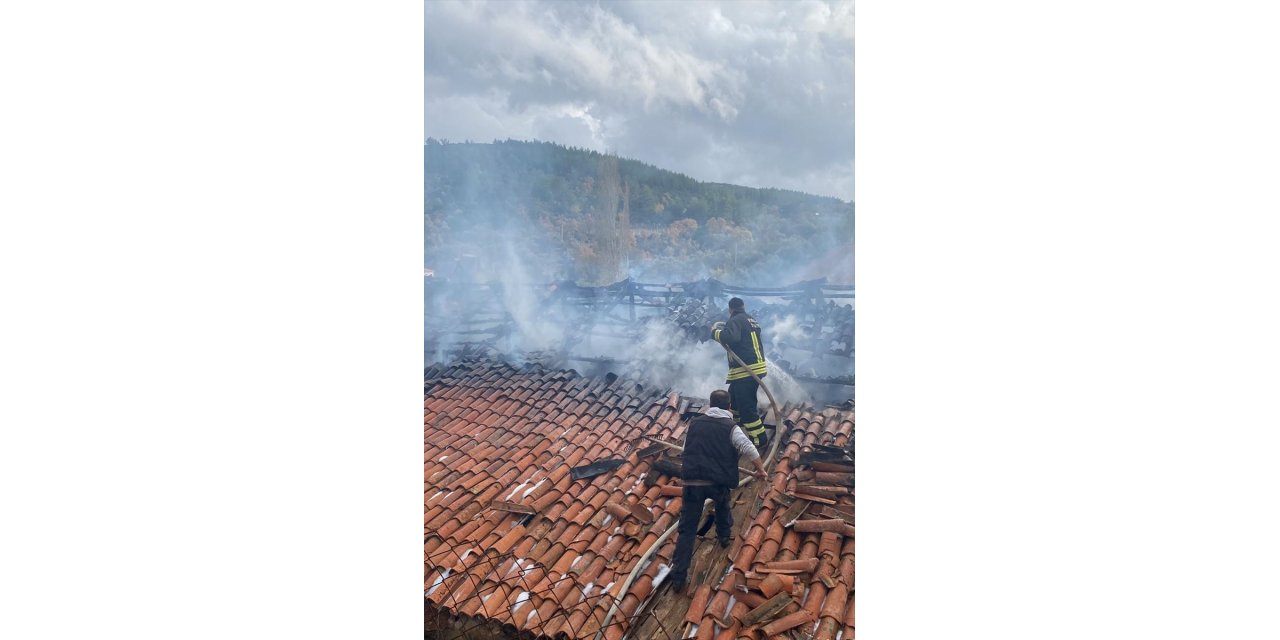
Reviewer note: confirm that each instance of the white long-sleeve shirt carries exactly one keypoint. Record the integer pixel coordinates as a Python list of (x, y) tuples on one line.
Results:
[(740, 440)]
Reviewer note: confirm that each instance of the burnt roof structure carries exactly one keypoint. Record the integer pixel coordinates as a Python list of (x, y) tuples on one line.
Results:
[(819, 352)]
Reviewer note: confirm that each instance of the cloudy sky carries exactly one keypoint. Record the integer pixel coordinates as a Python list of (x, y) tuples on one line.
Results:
[(752, 93)]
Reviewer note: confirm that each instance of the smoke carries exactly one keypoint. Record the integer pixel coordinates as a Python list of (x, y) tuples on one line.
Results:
[(523, 298), (787, 332), (666, 357), (785, 389), (667, 349), (502, 275)]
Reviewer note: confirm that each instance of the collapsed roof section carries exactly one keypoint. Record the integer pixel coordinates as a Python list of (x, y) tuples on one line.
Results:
[(582, 324), (543, 496)]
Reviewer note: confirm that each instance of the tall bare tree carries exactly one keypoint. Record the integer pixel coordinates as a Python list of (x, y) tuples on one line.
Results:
[(608, 236)]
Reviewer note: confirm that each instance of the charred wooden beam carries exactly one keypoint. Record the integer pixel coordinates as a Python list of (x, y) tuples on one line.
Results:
[(836, 512), (498, 505), (595, 468), (838, 467), (663, 465), (768, 610)]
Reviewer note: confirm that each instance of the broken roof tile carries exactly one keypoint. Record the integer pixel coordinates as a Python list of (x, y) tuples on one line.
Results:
[(494, 432), (788, 566), (785, 623)]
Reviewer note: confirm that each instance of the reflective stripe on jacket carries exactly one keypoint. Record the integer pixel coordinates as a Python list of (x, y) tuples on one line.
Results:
[(742, 335)]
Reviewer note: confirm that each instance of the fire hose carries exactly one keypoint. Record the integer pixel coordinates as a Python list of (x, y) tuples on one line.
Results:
[(648, 554)]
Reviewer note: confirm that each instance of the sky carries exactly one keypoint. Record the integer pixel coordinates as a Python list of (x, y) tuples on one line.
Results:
[(752, 93)]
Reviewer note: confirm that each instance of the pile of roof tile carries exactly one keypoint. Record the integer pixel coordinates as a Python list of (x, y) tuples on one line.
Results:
[(826, 328), (793, 570), (693, 316), (540, 500)]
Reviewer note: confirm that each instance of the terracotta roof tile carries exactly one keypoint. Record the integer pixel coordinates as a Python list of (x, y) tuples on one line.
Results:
[(494, 432), (508, 540), (547, 497), (775, 583), (564, 561), (788, 622), (619, 512), (820, 555), (594, 496), (788, 566), (814, 597), (698, 604), (790, 546), (809, 550), (570, 538), (464, 531), (718, 607), (746, 555), (665, 520), (432, 543), (581, 539)]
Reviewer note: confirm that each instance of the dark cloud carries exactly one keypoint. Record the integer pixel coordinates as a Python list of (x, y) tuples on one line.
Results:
[(753, 93)]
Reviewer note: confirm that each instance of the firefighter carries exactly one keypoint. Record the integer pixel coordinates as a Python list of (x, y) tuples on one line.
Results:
[(741, 334)]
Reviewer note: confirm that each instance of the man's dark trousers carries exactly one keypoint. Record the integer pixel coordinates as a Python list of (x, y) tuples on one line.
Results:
[(742, 396), (690, 513)]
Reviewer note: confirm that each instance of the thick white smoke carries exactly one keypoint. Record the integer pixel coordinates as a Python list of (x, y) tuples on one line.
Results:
[(507, 251), (665, 357), (786, 332), (523, 298), (668, 358)]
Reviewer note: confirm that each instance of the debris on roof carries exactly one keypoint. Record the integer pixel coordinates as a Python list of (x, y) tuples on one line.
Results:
[(515, 545), (595, 468), (793, 570)]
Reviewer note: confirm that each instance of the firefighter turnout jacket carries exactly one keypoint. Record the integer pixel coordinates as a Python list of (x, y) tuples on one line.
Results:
[(742, 335)]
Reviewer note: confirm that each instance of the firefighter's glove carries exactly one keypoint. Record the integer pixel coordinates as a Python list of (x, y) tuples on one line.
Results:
[(717, 326)]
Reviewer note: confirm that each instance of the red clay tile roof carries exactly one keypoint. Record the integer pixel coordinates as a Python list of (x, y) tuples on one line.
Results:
[(813, 559), (496, 433), (552, 558)]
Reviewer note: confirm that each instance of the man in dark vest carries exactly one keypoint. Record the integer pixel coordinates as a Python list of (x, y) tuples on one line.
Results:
[(712, 445)]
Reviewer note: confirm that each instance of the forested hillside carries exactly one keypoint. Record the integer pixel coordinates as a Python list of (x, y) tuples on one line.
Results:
[(596, 218)]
